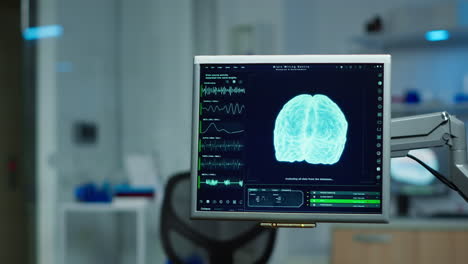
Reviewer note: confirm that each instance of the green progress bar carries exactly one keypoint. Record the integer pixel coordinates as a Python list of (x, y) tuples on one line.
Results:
[(198, 182), (348, 201)]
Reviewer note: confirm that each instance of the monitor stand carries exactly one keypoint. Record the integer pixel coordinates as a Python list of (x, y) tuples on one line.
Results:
[(290, 225)]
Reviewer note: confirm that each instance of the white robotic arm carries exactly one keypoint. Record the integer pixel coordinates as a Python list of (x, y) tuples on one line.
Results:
[(434, 130)]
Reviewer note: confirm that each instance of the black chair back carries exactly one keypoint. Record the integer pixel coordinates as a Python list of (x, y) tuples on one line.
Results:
[(218, 251)]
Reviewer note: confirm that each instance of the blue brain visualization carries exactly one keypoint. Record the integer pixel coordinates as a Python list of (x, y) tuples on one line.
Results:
[(310, 128)]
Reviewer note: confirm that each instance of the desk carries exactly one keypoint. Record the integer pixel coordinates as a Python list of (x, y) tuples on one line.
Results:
[(402, 241), (138, 207)]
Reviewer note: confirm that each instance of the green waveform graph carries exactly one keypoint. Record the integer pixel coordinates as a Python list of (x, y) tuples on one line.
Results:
[(223, 164), (220, 145), (218, 128), (213, 182), (229, 109), (222, 90)]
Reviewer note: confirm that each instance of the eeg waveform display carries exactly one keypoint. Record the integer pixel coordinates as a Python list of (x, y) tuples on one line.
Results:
[(221, 145), (223, 90), (310, 128), (213, 182), (221, 164), (231, 108), (220, 128)]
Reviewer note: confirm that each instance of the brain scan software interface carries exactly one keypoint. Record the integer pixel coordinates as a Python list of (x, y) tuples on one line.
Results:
[(289, 138)]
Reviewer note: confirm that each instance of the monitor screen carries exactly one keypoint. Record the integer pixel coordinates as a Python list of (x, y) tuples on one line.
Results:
[(291, 138)]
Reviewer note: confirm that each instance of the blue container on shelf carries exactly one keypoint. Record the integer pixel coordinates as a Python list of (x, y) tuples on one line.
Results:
[(461, 98), (91, 193), (412, 97)]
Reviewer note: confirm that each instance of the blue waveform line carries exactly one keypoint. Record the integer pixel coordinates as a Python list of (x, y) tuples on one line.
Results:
[(222, 90), (228, 108), (225, 145), (220, 130), (222, 164)]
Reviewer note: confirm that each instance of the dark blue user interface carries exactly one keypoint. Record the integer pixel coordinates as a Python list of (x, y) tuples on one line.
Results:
[(290, 138)]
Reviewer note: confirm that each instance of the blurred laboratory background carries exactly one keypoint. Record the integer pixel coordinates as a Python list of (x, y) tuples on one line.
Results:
[(96, 103)]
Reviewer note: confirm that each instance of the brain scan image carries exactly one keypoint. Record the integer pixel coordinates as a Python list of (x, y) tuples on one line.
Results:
[(310, 128)]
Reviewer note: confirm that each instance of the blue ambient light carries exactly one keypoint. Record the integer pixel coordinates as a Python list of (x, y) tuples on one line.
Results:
[(311, 129), (50, 31), (437, 35)]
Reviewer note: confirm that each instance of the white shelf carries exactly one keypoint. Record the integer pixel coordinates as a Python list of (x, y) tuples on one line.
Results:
[(385, 41), (403, 109), (137, 207)]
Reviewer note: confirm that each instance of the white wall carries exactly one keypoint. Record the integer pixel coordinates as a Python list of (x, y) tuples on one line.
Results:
[(156, 46), (265, 15), (319, 27), (87, 81), (46, 141), (438, 73), (204, 26), (127, 66), (88, 90), (329, 27), (156, 74)]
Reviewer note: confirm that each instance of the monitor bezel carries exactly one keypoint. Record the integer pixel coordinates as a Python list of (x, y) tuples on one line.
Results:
[(286, 217)]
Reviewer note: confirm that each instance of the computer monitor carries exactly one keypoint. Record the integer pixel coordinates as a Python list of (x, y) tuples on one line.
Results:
[(300, 138)]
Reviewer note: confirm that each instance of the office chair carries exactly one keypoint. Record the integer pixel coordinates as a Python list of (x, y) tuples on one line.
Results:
[(202, 234)]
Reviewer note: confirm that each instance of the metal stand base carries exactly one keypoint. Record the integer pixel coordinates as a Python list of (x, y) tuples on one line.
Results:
[(288, 225)]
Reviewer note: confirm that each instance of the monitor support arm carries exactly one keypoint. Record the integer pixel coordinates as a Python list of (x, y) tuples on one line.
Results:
[(434, 130), (426, 131)]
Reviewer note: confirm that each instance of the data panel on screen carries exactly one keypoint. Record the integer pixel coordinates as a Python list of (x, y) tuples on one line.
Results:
[(290, 140)]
